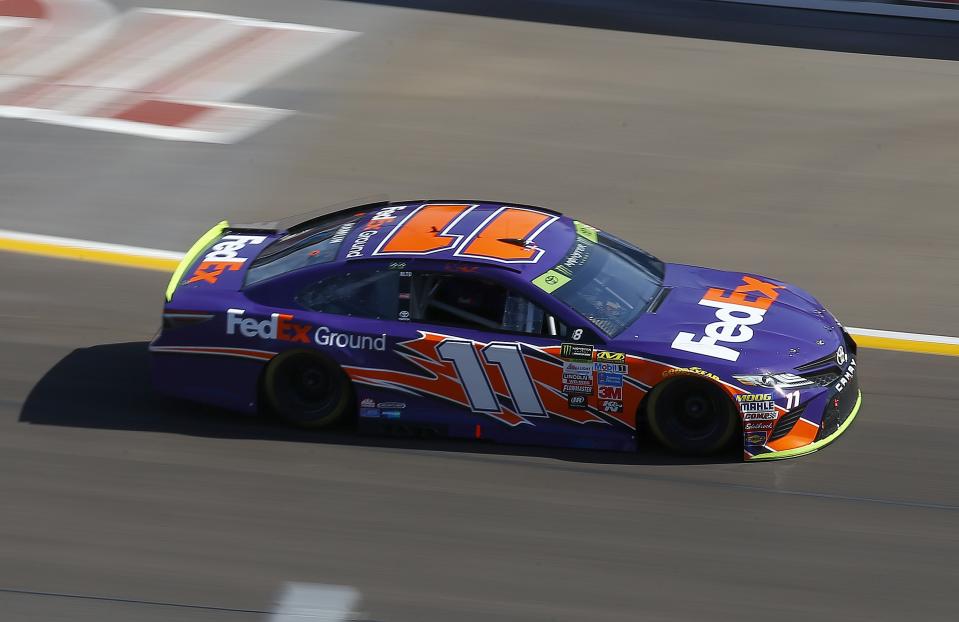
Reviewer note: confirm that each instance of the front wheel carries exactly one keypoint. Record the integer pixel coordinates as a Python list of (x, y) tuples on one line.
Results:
[(691, 416), (307, 389)]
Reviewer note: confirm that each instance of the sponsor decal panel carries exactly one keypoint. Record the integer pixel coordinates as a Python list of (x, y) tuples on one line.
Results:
[(736, 312), (576, 352), (760, 425), (760, 416), (611, 357), (612, 406), (756, 438), (572, 368), (610, 393), (392, 405), (223, 256), (612, 368), (757, 405), (577, 402), (609, 379), (367, 403)]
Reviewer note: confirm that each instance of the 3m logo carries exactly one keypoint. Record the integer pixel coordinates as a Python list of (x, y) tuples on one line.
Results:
[(607, 392), (736, 311), (150, 72)]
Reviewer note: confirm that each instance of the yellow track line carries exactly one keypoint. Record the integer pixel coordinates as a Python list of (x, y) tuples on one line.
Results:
[(84, 250), (166, 261), (905, 342)]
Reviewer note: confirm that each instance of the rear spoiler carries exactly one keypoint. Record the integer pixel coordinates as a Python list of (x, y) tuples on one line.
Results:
[(204, 242), (291, 224)]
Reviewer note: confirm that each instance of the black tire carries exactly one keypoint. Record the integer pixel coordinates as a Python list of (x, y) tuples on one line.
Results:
[(691, 416), (308, 390)]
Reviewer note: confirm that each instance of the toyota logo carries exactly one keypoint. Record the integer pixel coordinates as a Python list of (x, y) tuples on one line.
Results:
[(841, 356)]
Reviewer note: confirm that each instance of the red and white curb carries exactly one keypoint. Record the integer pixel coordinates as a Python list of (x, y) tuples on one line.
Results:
[(156, 73)]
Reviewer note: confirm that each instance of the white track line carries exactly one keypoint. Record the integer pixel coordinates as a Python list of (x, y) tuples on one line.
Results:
[(316, 602)]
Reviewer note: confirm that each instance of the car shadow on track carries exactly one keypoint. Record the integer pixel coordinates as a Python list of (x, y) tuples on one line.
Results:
[(108, 387)]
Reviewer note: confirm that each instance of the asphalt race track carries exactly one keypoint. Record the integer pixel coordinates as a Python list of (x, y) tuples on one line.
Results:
[(829, 169)]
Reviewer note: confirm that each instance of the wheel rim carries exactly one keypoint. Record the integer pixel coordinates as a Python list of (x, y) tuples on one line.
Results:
[(692, 416), (695, 416), (306, 387)]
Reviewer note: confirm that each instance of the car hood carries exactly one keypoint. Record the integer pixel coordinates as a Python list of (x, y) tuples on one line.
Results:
[(794, 328)]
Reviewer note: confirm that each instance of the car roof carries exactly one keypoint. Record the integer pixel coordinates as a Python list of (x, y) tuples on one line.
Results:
[(523, 238)]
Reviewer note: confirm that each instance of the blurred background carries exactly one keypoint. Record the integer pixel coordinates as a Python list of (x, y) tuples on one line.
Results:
[(811, 140)]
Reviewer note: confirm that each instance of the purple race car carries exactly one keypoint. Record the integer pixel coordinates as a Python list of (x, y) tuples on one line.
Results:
[(499, 321)]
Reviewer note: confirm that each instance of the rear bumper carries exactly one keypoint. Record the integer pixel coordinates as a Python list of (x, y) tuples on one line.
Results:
[(816, 445)]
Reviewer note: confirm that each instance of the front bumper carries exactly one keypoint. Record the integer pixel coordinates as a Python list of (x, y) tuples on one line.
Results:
[(816, 445)]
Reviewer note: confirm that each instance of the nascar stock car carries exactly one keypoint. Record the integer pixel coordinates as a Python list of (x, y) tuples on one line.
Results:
[(499, 321)]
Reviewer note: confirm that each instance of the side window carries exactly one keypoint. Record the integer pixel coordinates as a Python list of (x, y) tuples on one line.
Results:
[(369, 294), (478, 304)]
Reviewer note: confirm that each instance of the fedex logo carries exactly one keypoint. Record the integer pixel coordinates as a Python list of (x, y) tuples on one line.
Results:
[(222, 256), (280, 326), (736, 311)]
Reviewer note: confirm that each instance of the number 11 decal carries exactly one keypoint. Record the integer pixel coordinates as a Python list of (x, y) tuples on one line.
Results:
[(506, 235), (475, 380)]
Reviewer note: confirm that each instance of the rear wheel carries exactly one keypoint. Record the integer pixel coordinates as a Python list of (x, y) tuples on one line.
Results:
[(691, 416), (307, 390)]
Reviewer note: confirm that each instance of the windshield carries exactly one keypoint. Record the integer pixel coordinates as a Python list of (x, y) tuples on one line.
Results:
[(298, 250), (604, 279)]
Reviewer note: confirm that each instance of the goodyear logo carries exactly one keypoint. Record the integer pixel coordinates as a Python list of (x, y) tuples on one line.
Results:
[(686, 371)]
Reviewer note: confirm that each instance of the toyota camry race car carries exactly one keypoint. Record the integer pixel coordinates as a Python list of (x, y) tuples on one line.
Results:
[(499, 321)]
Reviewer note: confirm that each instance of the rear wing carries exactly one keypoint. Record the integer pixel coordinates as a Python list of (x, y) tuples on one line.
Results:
[(204, 242), (292, 224)]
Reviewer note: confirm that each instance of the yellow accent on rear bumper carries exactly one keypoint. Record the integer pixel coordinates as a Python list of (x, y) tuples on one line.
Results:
[(816, 446), (198, 247)]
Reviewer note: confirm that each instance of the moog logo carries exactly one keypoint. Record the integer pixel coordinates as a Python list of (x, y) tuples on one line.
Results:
[(736, 311)]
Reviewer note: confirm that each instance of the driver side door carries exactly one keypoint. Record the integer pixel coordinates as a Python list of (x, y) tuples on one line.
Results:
[(508, 367)]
